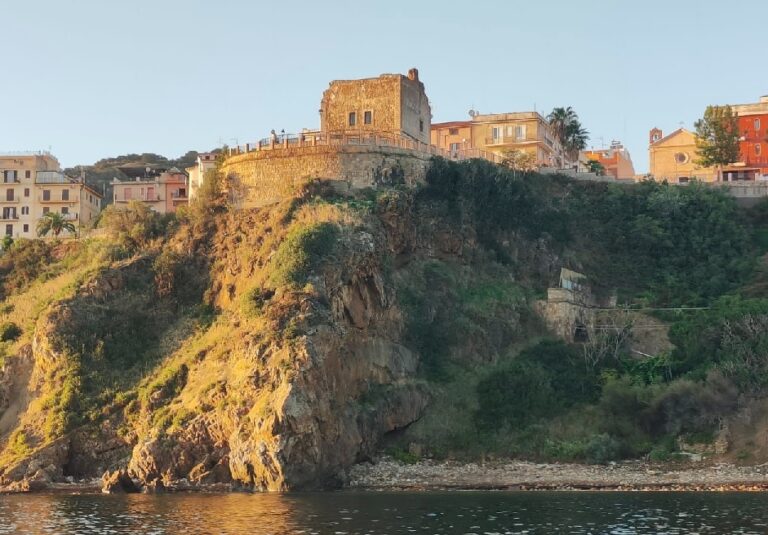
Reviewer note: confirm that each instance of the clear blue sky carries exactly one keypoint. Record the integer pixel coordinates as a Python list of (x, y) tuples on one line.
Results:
[(97, 78)]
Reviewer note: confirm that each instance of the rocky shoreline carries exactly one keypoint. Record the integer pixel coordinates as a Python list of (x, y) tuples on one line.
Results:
[(387, 474)]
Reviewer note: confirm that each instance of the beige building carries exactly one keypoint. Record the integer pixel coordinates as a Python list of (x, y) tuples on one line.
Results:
[(673, 158), (33, 185), (392, 104), (204, 163), (164, 191), (500, 133)]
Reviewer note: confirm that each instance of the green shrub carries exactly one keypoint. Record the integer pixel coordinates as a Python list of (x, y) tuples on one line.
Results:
[(167, 270), (9, 331), (517, 395), (18, 444), (403, 455), (253, 301), (602, 449), (135, 225), (303, 251)]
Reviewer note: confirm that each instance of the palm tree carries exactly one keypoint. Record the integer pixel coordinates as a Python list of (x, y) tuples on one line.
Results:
[(559, 119), (568, 130), (55, 223), (575, 137)]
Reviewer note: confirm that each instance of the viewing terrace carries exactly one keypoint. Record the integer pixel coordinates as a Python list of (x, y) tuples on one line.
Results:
[(363, 139)]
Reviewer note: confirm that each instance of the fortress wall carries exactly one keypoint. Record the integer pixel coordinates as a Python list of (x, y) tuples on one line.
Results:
[(264, 177)]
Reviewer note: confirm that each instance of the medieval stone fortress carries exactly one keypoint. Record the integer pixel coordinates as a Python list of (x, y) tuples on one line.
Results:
[(374, 132)]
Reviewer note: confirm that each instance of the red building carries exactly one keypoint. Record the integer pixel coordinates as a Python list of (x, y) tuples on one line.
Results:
[(753, 128)]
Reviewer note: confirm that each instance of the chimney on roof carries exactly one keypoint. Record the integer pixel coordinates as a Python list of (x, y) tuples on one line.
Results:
[(413, 74)]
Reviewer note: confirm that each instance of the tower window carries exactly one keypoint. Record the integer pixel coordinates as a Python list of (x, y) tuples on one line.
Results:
[(421, 125), (352, 118)]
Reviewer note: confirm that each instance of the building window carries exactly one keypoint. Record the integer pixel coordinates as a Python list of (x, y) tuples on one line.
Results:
[(758, 149), (9, 176), (46, 210), (352, 118), (64, 210), (9, 230), (681, 157), (757, 126), (26, 227), (9, 194), (65, 195), (25, 210), (368, 117), (520, 132), (682, 180), (453, 131), (150, 194), (455, 147), (46, 195), (421, 125), (127, 194), (27, 174), (26, 192)]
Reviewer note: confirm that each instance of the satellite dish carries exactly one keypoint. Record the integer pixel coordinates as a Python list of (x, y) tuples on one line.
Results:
[(473, 113)]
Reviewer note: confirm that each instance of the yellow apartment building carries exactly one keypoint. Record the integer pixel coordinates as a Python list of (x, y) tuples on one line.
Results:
[(33, 185), (499, 133), (673, 158), (454, 136)]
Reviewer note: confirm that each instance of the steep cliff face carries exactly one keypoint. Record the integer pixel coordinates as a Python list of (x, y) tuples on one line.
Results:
[(274, 348), (293, 372)]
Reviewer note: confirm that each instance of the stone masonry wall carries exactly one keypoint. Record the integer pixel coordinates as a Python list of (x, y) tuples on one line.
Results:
[(264, 177)]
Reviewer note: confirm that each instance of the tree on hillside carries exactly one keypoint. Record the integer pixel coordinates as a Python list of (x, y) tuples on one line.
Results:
[(519, 160), (593, 166), (54, 223), (717, 138), (568, 130)]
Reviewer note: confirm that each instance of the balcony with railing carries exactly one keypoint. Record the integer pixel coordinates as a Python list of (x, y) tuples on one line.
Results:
[(505, 140), (141, 198), (59, 200), (10, 200)]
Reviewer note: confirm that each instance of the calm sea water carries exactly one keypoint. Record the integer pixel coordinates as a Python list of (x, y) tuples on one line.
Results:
[(342, 513)]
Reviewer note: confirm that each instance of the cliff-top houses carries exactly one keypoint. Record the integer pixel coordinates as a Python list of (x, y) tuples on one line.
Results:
[(373, 132), (673, 157), (163, 190), (33, 185)]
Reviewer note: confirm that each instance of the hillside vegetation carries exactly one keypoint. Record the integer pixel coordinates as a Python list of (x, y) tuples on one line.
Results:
[(273, 348)]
